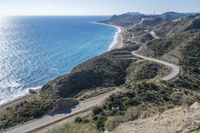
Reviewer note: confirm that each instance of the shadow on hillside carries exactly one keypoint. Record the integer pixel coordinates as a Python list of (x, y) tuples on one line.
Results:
[(67, 110)]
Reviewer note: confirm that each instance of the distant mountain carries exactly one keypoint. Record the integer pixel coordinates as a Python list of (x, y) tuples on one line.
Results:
[(174, 15), (125, 19), (131, 18), (134, 13)]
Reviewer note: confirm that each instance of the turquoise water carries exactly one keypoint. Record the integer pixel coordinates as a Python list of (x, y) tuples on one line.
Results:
[(35, 50)]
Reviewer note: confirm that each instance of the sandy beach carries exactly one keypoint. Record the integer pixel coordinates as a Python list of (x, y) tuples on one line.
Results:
[(118, 39)]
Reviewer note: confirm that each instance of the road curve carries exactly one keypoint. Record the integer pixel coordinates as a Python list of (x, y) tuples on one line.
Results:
[(49, 119), (87, 104), (175, 69), (154, 35)]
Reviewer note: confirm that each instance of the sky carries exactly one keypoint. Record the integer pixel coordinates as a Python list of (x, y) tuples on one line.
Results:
[(95, 7)]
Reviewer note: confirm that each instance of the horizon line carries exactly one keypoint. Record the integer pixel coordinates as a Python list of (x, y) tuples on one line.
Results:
[(2, 15)]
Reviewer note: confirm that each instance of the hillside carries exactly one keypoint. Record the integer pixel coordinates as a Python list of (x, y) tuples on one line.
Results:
[(144, 97), (172, 37), (177, 119)]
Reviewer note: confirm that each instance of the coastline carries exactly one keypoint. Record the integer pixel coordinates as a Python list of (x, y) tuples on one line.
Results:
[(116, 43), (18, 97), (117, 38)]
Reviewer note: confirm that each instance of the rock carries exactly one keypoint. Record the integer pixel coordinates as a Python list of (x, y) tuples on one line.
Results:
[(195, 106), (32, 91), (197, 123)]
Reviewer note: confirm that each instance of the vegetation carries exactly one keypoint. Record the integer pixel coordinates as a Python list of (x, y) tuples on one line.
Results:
[(97, 110), (195, 24), (144, 70), (78, 120), (101, 71), (85, 94), (25, 111), (142, 94), (77, 128)]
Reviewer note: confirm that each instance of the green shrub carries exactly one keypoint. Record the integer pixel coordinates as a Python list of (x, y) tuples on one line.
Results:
[(114, 121), (190, 99), (94, 117), (131, 102), (78, 120), (86, 120), (97, 110), (100, 123)]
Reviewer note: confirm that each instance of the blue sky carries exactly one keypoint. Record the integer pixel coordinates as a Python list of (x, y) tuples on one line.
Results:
[(94, 7)]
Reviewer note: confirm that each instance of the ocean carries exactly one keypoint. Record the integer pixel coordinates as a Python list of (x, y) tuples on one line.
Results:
[(37, 49)]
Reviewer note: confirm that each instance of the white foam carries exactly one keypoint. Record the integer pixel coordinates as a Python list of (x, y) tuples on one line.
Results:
[(10, 98), (9, 84), (115, 37)]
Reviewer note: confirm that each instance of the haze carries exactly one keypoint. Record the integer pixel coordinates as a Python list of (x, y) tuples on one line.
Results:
[(94, 7)]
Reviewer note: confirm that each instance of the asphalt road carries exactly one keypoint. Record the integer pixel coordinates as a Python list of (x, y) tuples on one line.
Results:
[(48, 119), (175, 69)]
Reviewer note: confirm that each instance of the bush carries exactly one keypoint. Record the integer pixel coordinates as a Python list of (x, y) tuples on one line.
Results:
[(78, 120), (122, 113), (114, 121), (97, 110), (100, 123), (94, 117), (189, 99), (131, 102), (86, 121)]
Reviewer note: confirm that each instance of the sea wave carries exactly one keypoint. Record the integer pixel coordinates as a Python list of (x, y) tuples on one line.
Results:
[(7, 84), (116, 35), (11, 98)]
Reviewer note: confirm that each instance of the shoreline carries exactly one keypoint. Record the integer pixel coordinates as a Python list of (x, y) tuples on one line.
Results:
[(118, 39), (116, 43), (18, 97)]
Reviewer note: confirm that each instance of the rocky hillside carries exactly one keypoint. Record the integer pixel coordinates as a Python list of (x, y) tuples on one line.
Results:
[(182, 48), (103, 71), (148, 103), (172, 37), (179, 119), (112, 69)]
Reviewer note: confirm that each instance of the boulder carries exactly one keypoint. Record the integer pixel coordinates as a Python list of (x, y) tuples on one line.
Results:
[(195, 106)]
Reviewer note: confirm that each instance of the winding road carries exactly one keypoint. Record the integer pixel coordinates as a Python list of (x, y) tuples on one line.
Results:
[(89, 103), (85, 105), (175, 69)]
